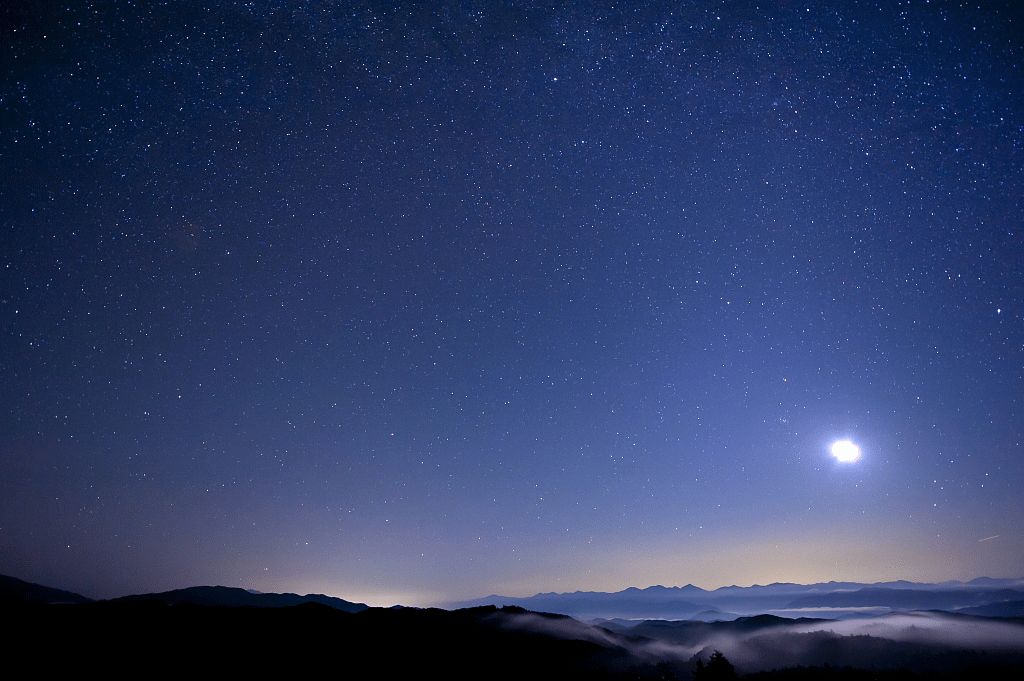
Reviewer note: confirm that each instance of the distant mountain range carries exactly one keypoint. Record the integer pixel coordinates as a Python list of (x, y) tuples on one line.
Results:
[(829, 599)]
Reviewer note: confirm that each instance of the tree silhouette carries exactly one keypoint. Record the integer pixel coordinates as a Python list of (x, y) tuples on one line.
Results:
[(717, 668)]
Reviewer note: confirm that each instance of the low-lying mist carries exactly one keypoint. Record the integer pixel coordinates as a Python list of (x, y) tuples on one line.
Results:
[(920, 641), (930, 628)]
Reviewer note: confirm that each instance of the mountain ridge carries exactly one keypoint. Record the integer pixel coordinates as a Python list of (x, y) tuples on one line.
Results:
[(684, 602), (14, 590), (230, 596)]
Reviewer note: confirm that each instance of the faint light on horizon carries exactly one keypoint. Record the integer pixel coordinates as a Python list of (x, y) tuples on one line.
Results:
[(845, 451)]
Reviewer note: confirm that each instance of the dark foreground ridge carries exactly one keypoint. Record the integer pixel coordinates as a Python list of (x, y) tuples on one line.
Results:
[(138, 638), (193, 630), (14, 590)]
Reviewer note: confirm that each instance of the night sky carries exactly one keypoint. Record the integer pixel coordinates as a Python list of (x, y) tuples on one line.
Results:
[(422, 302)]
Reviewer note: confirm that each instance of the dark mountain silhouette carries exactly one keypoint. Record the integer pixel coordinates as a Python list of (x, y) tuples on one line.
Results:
[(226, 596), (13, 590), (138, 636)]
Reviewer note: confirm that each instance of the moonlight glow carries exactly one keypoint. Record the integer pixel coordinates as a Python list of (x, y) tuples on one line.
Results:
[(845, 451)]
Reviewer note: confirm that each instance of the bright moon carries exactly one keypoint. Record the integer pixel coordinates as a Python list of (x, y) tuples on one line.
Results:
[(845, 451)]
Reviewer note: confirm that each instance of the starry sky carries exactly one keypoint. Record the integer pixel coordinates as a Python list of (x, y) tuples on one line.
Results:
[(423, 301)]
